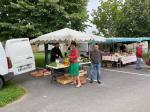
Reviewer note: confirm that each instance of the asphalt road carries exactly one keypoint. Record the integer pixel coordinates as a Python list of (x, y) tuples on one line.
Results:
[(123, 90)]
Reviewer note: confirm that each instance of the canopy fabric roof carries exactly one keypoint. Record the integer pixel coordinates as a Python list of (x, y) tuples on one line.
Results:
[(66, 34), (127, 40), (97, 38)]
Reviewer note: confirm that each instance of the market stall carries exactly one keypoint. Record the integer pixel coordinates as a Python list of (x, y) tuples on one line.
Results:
[(119, 58), (118, 54), (65, 35)]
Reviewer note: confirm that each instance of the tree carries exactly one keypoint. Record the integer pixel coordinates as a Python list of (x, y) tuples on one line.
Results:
[(137, 13), (31, 18), (109, 17), (77, 13), (127, 18)]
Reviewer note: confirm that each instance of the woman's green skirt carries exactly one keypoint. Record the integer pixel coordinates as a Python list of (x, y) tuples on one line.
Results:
[(74, 69)]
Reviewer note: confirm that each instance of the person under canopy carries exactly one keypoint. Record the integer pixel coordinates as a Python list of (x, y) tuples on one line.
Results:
[(55, 53), (123, 48)]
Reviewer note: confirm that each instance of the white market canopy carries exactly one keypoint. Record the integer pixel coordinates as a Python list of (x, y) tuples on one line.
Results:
[(67, 34), (98, 38)]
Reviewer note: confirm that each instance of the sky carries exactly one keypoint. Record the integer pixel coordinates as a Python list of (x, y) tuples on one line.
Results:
[(93, 4)]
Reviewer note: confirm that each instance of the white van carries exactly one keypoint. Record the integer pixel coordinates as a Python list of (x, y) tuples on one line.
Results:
[(17, 58)]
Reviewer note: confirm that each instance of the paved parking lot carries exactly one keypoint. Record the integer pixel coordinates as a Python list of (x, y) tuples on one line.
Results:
[(123, 90)]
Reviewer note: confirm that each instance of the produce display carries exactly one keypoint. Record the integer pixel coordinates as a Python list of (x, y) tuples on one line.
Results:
[(124, 57), (66, 61), (54, 64), (60, 65), (83, 59)]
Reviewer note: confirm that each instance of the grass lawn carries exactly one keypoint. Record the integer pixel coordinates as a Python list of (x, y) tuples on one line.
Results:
[(10, 93), (39, 59)]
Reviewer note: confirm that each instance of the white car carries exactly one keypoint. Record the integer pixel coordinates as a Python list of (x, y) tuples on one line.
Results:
[(17, 58)]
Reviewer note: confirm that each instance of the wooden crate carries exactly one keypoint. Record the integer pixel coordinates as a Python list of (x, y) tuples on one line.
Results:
[(82, 73), (37, 74), (64, 79), (85, 68), (109, 65), (47, 73), (40, 73)]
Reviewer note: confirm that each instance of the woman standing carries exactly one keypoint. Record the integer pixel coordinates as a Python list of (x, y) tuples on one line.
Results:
[(74, 65)]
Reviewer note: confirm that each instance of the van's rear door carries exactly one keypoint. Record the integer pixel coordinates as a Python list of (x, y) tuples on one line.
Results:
[(20, 53), (3, 61)]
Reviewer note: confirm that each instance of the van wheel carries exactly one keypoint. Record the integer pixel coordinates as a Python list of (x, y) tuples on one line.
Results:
[(1, 83)]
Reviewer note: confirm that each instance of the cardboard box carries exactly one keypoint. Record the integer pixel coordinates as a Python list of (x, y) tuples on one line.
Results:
[(64, 79)]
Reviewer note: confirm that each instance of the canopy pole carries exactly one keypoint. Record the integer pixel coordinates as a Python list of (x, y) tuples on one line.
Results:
[(148, 45), (113, 47), (46, 54)]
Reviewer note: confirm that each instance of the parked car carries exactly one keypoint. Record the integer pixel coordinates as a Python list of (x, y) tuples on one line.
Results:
[(17, 58)]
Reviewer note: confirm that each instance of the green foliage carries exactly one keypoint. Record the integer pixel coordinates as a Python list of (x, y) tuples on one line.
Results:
[(10, 93), (40, 59), (123, 18), (138, 15), (108, 17), (31, 18)]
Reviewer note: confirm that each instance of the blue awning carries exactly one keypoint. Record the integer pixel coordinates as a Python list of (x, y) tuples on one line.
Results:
[(126, 39)]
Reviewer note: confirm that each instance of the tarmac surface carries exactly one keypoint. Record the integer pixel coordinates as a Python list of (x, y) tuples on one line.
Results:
[(123, 90)]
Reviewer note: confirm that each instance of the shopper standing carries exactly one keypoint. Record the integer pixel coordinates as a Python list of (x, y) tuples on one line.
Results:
[(95, 56), (138, 56), (74, 64)]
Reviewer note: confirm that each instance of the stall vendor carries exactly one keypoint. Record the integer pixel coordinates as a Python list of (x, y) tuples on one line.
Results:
[(55, 53), (123, 48)]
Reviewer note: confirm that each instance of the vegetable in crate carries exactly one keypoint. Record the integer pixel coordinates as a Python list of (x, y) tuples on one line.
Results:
[(66, 61), (53, 64), (85, 59)]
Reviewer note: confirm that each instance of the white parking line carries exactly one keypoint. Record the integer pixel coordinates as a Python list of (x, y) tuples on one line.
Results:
[(148, 75)]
